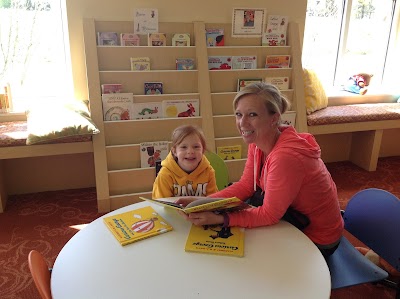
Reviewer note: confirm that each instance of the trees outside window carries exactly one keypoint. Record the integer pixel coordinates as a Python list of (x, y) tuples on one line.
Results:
[(345, 37), (32, 51)]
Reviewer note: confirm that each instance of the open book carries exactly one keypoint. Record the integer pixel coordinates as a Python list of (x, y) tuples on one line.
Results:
[(202, 204)]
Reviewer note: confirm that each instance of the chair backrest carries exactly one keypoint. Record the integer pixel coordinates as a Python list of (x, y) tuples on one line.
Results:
[(221, 170), (40, 273), (373, 216)]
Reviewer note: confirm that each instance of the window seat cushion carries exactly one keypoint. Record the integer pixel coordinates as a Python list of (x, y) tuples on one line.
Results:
[(15, 133), (354, 113)]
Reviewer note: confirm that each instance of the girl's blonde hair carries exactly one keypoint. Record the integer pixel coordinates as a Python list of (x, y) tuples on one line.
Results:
[(274, 100), (183, 131)]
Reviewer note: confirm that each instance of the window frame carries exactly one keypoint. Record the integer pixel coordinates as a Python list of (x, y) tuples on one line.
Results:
[(381, 81)]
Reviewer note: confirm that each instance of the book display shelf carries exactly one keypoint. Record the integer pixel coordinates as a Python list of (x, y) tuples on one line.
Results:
[(120, 180)]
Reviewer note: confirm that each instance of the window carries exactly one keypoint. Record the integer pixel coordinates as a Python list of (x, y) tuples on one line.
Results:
[(33, 53), (345, 37)]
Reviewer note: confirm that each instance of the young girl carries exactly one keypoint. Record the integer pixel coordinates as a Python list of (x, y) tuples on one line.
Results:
[(185, 171)]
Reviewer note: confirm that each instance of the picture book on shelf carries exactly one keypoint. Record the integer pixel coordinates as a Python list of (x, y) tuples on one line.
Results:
[(145, 20), (216, 239), (215, 37), (117, 106), (202, 204), (157, 39), (150, 110), (153, 152), (277, 61), (230, 152), (181, 108), (242, 83), (181, 40), (111, 88), (151, 88), (129, 39), (289, 118), (276, 31), (244, 62), (136, 225), (185, 64), (219, 62), (140, 63), (107, 39), (281, 82)]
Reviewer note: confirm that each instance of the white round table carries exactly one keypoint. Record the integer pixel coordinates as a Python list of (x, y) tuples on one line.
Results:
[(279, 262)]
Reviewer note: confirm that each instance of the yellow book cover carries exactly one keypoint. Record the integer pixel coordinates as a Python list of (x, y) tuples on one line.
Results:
[(202, 204), (216, 240), (136, 225), (230, 152)]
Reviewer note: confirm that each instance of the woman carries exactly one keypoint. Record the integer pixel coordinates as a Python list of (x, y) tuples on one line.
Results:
[(285, 166)]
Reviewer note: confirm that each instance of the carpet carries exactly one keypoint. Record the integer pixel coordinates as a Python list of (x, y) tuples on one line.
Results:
[(42, 221), (46, 221)]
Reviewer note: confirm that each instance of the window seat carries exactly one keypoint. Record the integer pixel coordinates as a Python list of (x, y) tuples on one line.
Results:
[(366, 122), (13, 137)]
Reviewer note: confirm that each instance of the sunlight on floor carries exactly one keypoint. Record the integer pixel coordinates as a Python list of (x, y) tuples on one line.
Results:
[(79, 226)]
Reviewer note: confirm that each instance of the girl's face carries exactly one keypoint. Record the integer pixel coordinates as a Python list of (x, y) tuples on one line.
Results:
[(254, 121), (189, 153)]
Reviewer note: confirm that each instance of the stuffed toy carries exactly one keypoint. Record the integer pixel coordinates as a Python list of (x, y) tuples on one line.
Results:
[(377, 260), (358, 83)]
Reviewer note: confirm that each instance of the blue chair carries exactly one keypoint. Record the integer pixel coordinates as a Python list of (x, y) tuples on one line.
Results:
[(221, 170), (373, 217)]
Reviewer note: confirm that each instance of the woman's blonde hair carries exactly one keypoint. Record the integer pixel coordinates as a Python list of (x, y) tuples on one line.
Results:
[(274, 100), (183, 131)]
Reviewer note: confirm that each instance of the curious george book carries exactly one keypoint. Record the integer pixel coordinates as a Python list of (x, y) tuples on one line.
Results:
[(216, 240), (136, 225)]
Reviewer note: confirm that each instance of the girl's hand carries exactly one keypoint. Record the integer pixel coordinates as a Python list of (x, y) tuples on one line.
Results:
[(184, 201), (203, 218)]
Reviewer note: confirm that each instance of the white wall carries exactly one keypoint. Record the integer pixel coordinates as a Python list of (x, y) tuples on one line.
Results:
[(210, 11)]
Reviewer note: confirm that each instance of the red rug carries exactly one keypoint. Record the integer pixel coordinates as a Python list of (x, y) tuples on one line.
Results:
[(46, 221), (41, 221)]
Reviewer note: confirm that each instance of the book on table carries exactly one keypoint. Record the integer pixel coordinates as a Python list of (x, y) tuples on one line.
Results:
[(136, 225), (202, 204), (216, 239)]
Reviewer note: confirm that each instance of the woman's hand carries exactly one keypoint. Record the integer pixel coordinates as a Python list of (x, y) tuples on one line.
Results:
[(203, 218)]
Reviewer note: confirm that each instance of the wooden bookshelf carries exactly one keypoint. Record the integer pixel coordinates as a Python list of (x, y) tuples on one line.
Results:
[(119, 178)]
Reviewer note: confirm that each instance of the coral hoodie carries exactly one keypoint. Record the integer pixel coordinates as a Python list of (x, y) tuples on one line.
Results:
[(173, 181), (294, 175)]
